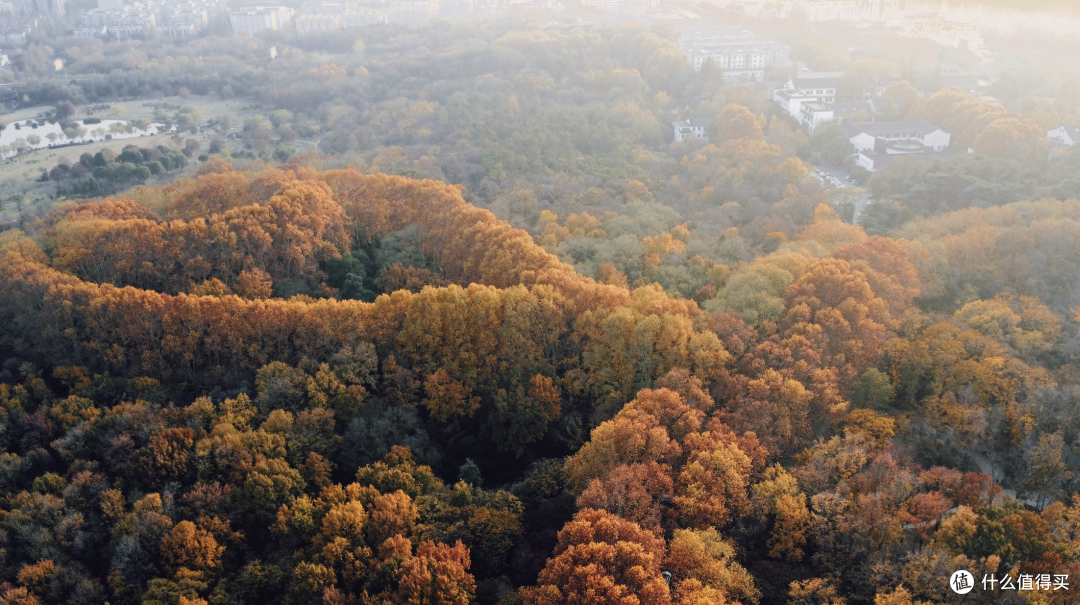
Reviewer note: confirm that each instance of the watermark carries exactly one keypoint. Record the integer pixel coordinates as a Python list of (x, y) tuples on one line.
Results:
[(1025, 581), (962, 582)]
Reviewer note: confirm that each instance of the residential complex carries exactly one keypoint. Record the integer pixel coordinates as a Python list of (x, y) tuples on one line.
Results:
[(30, 8), (13, 31), (259, 18), (947, 23), (327, 16), (176, 20), (623, 7), (871, 121), (324, 16), (736, 51), (816, 99)]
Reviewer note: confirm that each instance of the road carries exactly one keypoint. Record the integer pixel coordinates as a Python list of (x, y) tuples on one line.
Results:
[(842, 175)]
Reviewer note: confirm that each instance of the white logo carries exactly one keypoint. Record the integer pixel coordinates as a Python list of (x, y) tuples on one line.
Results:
[(961, 582)]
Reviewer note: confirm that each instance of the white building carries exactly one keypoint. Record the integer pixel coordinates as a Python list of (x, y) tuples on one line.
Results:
[(736, 51), (177, 31), (323, 8), (791, 101), (91, 32), (837, 10), (363, 18), (121, 32), (623, 6), (311, 23), (908, 151), (823, 88), (186, 15), (412, 14), (29, 8), (258, 18), (325, 16), (870, 136), (692, 128), (1067, 135), (130, 16), (814, 115)]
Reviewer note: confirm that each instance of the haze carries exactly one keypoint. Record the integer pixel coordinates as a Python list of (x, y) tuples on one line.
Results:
[(539, 302)]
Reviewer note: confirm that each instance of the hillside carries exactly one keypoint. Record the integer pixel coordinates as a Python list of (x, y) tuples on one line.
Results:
[(303, 386)]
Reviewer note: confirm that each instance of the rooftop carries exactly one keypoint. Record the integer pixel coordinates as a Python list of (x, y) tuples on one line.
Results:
[(920, 127), (793, 94), (849, 109), (696, 122), (1073, 130), (823, 82)]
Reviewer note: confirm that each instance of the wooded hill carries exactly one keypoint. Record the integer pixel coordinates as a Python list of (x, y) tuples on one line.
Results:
[(292, 386)]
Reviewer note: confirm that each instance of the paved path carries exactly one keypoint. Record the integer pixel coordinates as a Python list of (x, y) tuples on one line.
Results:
[(841, 175)]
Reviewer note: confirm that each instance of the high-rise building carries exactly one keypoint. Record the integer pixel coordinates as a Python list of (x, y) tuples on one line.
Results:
[(258, 18), (412, 14), (30, 8), (736, 51), (318, 16)]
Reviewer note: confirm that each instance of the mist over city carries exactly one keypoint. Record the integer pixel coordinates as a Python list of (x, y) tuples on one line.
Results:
[(539, 302)]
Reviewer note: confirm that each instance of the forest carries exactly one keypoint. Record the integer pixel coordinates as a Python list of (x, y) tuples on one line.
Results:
[(298, 385), (453, 321)]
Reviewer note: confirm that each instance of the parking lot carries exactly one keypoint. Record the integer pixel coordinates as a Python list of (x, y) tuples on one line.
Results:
[(833, 178)]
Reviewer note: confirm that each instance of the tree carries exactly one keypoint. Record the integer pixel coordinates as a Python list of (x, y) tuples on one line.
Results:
[(633, 436), (166, 457), (601, 558), (834, 307), (925, 510), (712, 483), (398, 471), (899, 596), (634, 492), (910, 94), (873, 390), (470, 473), (738, 122), (446, 398), (1047, 472), (65, 110), (957, 529), (437, 575), (815, 591), (1007, 137), (832, 144), (256, 131), (704, 562), (189, 546), (789, 535)]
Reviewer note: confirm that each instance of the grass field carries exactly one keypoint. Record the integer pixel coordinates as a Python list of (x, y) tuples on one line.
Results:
[(19, 185)]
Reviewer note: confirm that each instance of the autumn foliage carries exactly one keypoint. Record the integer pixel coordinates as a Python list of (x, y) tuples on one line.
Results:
[(297, 386)]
